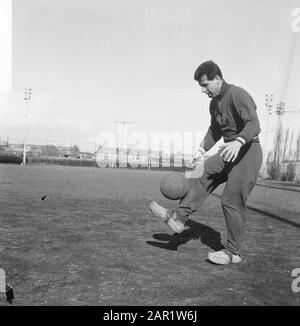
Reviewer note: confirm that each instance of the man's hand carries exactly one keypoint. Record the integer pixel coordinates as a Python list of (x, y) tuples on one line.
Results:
[(192, 164), (198, 158), (230, 150)]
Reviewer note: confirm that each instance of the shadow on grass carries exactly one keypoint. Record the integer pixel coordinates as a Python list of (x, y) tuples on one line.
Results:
[(204, 233), (273, 215)]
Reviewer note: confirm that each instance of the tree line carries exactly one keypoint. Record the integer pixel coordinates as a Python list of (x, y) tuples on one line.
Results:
[(282, 160)]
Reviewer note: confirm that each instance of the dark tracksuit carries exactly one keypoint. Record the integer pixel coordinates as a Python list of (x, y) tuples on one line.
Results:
[(233, 114)]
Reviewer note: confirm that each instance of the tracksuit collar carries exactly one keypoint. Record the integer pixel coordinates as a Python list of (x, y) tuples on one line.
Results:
[(224, 89)]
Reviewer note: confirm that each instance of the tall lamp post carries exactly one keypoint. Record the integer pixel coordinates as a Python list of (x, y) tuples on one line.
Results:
[(27, 98)]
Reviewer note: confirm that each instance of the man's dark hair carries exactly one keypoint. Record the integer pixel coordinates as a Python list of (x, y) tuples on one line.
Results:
[(208, 68)]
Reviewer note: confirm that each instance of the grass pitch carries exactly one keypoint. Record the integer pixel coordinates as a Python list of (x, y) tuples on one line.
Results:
[(85, 236)]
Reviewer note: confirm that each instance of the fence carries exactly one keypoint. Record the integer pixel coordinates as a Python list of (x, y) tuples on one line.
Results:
[(114, 162), (63, 161), (120, 158)]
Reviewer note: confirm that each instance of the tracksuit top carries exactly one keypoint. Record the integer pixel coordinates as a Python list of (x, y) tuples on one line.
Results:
[(233, 114)]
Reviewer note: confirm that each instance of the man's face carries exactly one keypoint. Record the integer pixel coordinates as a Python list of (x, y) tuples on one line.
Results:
[(211, 87)]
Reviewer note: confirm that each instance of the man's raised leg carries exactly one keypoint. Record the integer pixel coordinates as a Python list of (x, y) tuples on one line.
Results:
[(214, 173)]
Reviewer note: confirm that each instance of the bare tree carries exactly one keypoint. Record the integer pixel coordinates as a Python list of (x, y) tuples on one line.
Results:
[(269, 157), (298, 147), (74, 150), (290, 155), (285, 145), (278, 144), (274, 166), (49, 150)]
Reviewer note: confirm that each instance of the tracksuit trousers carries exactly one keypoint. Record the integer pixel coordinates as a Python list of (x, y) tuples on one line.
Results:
[(240, 177)]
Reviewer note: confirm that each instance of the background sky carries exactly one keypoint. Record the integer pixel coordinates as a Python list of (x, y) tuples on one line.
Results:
[(90, 62)]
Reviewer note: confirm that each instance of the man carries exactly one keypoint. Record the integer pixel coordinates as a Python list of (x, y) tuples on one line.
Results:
[(233, 117)]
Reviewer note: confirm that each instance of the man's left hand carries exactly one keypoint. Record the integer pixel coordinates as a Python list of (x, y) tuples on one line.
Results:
[(230, 151)]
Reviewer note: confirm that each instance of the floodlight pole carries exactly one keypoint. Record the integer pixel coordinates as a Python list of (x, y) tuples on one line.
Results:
[(27, 98)]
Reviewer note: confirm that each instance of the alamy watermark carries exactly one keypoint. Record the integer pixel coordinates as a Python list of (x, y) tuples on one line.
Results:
[(153, 150), (295, 25), (137, 147), (296, 281), (2, 281)]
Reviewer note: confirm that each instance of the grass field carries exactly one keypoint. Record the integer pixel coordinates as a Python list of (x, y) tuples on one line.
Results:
[(93, 241)]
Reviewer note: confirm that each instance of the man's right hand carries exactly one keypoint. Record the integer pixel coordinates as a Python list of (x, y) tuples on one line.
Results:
[(197, 159), (191, 164)]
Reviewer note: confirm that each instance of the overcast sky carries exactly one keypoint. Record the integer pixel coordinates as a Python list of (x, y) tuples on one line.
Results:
[(89, 62)]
